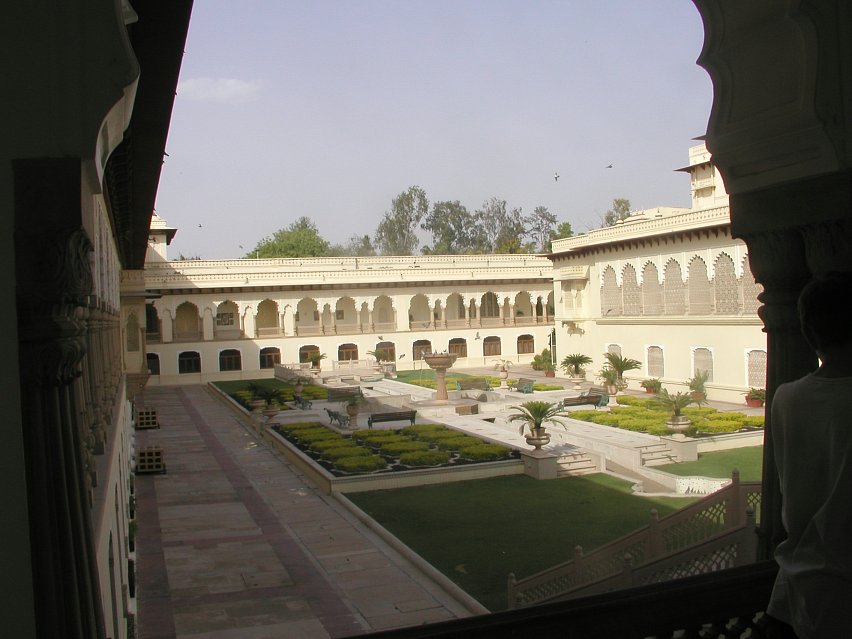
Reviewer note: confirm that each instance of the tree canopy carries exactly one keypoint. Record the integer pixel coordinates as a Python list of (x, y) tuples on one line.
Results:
[(300, 239), (397, 232), (620, 210)]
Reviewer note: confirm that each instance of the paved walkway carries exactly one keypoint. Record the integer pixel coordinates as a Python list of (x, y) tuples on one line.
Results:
[(232, 542)]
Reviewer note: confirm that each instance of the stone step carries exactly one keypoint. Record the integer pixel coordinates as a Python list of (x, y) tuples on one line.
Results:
[(572, 464)]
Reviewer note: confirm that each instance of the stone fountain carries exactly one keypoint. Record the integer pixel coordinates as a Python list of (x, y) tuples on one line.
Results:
[(440, 362)]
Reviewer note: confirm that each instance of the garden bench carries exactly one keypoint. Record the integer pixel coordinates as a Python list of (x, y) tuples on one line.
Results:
[(301, 402), (596, 396), (399, 415), (523, 386), (340, 418), (344, 394), (473, 384)]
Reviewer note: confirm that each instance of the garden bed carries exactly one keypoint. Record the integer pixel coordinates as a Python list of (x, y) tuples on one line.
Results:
[(350, 463), (646, 416)]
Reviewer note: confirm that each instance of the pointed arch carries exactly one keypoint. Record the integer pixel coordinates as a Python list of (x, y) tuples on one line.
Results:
[(652, 290), (630, 293), (610, 294), (750, 289), (699, 293), (726, 291)]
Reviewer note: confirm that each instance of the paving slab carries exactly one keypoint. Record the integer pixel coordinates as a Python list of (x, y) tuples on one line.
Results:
[(233, 543)]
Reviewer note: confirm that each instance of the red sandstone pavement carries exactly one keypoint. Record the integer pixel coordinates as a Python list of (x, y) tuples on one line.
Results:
[(233, 543)]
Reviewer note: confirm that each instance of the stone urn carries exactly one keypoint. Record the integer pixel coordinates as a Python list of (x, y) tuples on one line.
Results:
[(538, 437), (678, 423)]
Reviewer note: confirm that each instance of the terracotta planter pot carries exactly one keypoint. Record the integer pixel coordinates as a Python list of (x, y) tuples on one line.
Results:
[(698, 395), (753, 402), (550, 373)]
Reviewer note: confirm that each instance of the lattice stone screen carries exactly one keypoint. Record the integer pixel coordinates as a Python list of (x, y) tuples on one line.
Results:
[(610, 294), (726, 288), (750, 288), (652, 291), (674, 290), (656, 363), (613, 348), (757, 369), (630, 292), (703, 361), (700, 293)]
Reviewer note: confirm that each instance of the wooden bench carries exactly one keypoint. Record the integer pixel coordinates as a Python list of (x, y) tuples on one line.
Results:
[(301, 402), (523, 386), (596, 396), (335, 416), (473, 384), (399, 415), (344, 394)]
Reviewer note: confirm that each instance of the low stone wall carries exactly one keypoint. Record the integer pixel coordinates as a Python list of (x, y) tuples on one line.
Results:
[(729, 441)]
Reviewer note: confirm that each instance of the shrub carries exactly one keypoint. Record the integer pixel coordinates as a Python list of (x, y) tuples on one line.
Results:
[(629, 400), (424, 431), (395, 449), (719, 426), (484, 452), (311, 436), (424, 458), (365, 435), (336, 442), (360, 464), (455, 443), (754, 421), (333, 454)]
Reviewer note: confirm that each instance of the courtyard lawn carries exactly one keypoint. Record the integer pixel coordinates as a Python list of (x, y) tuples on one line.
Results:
[(426, 378), (749, 461), (477, 532)]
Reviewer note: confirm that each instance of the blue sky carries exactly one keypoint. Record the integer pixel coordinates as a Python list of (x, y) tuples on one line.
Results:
[(330, 109)]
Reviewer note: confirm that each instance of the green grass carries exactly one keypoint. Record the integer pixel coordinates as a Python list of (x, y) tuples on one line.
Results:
[(426, 379), (749, 461), (477, 532)]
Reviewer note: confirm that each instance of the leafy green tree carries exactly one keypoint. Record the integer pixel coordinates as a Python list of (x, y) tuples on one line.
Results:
[(562, 231), (357, 246), (396, 233), (453, 229), (620, 210), (500, 230), (300, 239), (540, 225)]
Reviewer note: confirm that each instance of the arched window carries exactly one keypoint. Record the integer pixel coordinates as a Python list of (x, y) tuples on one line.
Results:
[(702, 359), (187, 322), (613, 348), (656, 363), (152, 361), (346, 352), (269, 357), (266, 321), (230, 360), (630, 291), (491, 346), (420, 347), (387, 351), (189, 362), (307, 351), (526, 344), (152, 324), (757, 368), (489, 306), (458, 346)]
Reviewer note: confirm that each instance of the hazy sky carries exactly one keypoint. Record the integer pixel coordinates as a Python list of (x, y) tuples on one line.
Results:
[(329, 109)]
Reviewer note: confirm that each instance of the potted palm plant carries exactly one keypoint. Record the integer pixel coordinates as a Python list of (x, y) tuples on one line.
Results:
[(697, 384), (675, 403), (755, 397), (622, 365), (609, 376), (652, 385), (533, 415), (503, 365), (315, 358), (573, 366), (273, 398)]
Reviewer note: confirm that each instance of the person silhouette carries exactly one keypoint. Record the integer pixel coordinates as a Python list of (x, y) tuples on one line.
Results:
[(811, 422)]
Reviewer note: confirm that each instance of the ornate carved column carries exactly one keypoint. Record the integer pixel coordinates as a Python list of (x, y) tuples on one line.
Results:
[(54, 282), (207, 328)]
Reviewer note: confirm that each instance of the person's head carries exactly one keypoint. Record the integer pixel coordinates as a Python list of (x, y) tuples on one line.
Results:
[(825, 311)]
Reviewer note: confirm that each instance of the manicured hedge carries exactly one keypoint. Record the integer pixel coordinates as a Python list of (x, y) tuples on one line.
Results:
[(424, 458), (395, 449), (333, 454), (455, 443), (360, 464), (484, 452)]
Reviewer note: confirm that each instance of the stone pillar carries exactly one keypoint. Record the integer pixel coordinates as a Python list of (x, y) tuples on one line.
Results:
[(54, 285), (288, 321), (249, 323), (207, 325), (167, 324)]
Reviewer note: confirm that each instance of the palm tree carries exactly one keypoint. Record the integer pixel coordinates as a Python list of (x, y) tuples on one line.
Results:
[(675, 403), (621, 365), (535, 413), (573, 364)]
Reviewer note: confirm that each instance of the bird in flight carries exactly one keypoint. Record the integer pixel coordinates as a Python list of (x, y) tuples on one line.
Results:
[(608, 166), (555, 177)]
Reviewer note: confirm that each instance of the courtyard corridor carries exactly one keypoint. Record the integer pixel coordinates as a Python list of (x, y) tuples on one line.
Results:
[(233, 543)]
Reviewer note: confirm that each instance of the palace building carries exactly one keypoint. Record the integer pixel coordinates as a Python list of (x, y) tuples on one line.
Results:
[(669, 287)]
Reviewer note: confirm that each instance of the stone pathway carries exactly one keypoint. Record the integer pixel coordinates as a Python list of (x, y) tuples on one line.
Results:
[(232, 542)]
